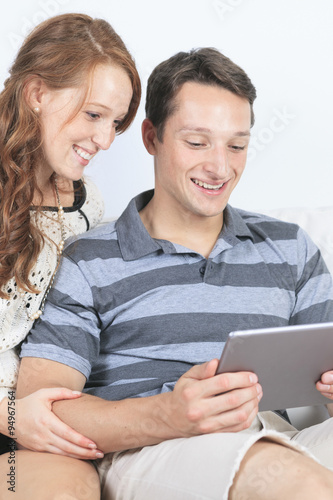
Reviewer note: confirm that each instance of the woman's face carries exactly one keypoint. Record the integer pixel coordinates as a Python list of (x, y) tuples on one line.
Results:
[(70, 144)]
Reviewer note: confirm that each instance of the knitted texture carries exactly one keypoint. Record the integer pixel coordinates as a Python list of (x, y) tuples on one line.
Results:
[(14, 312)]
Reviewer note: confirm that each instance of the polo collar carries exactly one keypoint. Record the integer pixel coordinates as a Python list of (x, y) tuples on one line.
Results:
[(234, 224), (135, 241)]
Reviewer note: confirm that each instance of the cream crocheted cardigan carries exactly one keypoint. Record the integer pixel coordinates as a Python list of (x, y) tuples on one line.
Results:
[(15, 324)]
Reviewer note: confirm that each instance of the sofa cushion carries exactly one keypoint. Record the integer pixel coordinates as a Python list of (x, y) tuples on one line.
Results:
[(317, 222)]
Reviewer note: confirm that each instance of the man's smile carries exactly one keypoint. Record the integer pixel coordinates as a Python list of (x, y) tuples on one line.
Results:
[(205, 185)]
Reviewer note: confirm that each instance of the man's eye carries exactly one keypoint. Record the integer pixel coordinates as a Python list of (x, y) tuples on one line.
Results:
[(195, 144), (238, 148)]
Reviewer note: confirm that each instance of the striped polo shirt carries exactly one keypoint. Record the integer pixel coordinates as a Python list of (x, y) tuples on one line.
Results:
[(134, 313)]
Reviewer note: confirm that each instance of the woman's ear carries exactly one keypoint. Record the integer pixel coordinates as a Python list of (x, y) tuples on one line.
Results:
[(149, 136), (33, 92)]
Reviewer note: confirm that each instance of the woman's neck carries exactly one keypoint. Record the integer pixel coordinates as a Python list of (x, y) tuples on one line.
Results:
[(47, 196)]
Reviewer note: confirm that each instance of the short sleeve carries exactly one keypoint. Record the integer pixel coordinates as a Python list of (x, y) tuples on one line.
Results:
[(68, 331)]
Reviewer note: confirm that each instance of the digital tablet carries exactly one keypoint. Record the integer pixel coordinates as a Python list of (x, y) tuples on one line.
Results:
[(287, 360)]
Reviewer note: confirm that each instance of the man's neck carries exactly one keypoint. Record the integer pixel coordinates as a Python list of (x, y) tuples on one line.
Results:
[(193, 232)]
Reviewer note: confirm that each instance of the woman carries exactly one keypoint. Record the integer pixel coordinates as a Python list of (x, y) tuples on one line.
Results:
[(72, 87)]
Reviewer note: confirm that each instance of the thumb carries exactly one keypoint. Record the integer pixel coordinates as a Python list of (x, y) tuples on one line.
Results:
[(203, 371), (58, 393)]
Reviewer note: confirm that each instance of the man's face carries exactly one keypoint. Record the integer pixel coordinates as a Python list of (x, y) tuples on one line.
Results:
[(203, 153)]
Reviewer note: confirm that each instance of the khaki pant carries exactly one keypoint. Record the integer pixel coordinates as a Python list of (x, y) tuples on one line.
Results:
[(203, 467)]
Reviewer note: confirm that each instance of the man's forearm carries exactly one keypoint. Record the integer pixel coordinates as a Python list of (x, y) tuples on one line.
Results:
[(112, 425), (118, 425), (199, 403)]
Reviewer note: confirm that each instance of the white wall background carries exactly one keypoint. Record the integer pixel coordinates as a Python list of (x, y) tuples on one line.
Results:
[(284, 45)]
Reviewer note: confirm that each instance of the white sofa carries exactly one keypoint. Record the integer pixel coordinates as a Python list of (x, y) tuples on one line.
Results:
[(318, 223)]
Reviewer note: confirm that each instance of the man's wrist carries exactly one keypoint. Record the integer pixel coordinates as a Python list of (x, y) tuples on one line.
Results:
[(164, 412)]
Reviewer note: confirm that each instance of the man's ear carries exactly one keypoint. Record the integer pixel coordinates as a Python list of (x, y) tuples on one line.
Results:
[(149, 136), (33, 92)]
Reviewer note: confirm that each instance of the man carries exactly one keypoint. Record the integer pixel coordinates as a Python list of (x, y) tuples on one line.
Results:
[(141, 309)]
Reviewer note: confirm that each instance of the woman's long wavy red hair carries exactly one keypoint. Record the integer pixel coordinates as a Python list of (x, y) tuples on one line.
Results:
[(63, 52)]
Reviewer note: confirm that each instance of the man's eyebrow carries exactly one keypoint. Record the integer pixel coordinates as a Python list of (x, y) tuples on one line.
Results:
[(245, 133), (194, 129)]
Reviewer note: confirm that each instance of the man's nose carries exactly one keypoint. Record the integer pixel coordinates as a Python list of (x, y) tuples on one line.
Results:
[(218, 161)]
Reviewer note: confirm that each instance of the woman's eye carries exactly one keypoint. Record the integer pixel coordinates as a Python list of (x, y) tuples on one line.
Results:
[(195, 144), (238, 148), (93, 116)]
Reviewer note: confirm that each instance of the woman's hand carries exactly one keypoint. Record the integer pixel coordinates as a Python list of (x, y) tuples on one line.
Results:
[(37, 428)]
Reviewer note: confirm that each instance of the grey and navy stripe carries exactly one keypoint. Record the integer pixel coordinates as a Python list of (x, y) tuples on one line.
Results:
[(133, 313)]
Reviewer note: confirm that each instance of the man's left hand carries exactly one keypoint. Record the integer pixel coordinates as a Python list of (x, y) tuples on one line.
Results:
[(325, 385)]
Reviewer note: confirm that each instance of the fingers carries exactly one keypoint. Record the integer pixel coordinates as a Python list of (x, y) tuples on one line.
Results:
[(204, 402), (218, 384), (58, 427), (39, 429), (235, 417), (69, 435), (233, 421), (325, 385), (217, 403), (325, 390), (226, 382), (70, 452), (235, 399), (243, 418), (57, 437), (63, 447), (229, 412)]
